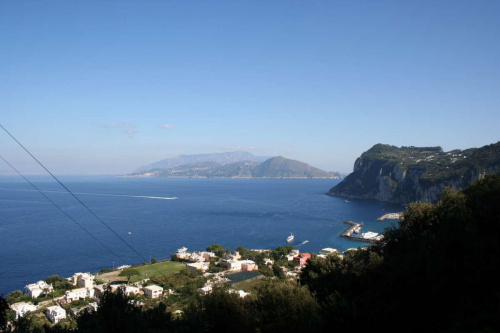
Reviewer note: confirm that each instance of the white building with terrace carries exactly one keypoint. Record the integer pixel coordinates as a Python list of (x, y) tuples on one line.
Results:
[(34, 290), (55, 313)]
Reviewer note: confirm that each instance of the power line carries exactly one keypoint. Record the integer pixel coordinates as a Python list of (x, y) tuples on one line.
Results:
[(77, 199), (60, 208)]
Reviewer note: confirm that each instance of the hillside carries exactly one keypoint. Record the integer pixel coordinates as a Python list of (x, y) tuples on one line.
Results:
[(280, 167), (222, 158), (276, 167), (408, 174)]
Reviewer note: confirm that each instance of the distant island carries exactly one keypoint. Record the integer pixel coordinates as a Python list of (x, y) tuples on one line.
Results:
[(407, 174), (231, 165)]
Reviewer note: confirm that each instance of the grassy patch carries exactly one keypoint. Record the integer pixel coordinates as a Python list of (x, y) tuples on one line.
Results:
[(161, 268), (147, 272)]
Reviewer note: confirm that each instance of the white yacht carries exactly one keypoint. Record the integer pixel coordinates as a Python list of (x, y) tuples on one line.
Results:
[(290, 238)]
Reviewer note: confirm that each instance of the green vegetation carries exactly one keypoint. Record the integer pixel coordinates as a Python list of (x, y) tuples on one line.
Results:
[(160, 268), (129, 272)]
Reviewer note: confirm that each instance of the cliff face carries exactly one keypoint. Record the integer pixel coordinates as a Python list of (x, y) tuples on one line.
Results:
[(408, 174)]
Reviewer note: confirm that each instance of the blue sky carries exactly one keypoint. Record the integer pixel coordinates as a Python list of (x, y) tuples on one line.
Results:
[(103, 87)]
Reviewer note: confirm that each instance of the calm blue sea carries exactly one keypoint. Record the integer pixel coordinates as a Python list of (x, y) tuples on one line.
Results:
[(37, 240)]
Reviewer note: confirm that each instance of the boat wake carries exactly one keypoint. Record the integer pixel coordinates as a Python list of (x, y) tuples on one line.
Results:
[(97, 194)]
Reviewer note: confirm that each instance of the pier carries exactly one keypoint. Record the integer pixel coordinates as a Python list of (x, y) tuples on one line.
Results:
[(354, 227)]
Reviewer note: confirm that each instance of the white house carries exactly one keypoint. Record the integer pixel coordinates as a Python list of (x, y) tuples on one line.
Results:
[(76, 294), (240, 293), (55, 313), (328, 250), (83, 280), (153, 291), (128, 290), (182, 253), (234, 265), (99, 290), (232, 256), (205, 290), (20, 309), (38, 288), (268, 261), (248, 265), (292, 254), (195, 257), (92, 307), (197, 266)]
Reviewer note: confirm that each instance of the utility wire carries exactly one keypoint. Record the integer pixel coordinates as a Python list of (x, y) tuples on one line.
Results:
[(60, 208), (77, 199)]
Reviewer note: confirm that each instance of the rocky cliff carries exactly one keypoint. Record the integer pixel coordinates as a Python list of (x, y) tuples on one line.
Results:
[(407, 174)]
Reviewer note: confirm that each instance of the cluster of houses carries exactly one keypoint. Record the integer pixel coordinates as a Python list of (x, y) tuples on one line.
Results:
[(198, 261), (86, 289)]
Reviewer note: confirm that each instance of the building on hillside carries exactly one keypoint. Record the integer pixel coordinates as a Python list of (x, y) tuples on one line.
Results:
[(99, 290), (232, 256), (197, 266), (207, 255), (182, 253), (328, 250), (292, 254), (55, 313), (301, 259), (260, 250), (34, 290), (83, 280), (129, 290), (92, 307), (153, 291), (234, 265), (76, 294), (268, 261), (248, 265), (240, 293), (20, 309), (205, 290), (196, 257)]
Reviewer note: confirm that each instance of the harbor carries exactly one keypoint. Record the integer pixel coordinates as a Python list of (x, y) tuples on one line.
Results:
[(368, 237)]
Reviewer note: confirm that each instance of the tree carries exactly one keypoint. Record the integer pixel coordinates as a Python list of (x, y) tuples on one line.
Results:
[(129, 272), (219, 311), (16, 296), (4, 308), (283, 306), (281, 252), (153, 260), (217, 249)]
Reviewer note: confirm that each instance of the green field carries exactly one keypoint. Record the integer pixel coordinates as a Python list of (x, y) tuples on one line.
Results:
[(147, 272), (161, 268)]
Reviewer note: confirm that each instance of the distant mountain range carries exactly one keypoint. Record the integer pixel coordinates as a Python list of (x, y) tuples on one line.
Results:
[(408, 174), (221, 158), (231, 165)]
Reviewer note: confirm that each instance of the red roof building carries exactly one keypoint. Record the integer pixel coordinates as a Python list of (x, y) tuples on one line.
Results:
[(302, 258)]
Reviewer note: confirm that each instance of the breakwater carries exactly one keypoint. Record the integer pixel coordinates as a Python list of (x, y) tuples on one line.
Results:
[(354, 228)]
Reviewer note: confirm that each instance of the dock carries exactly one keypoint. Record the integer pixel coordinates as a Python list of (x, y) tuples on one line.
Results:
[(347, 234), (391, 216)]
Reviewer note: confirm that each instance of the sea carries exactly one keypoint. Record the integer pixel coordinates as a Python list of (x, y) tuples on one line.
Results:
[(139, 220)]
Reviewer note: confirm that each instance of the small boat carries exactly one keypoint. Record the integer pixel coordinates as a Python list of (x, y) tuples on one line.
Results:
[(290, 238)]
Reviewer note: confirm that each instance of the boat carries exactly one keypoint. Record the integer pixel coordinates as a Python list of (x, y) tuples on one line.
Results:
[(290, 238)]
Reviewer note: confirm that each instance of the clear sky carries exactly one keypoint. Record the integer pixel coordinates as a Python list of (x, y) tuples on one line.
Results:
[(103, 87)]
